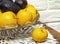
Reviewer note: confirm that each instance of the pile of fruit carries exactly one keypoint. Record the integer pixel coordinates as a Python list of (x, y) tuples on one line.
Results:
[(20, 13), (17, 13), (10, 5)]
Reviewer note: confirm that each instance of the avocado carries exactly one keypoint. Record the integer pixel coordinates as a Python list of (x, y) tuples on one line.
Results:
[(21, 3), (7, 5)]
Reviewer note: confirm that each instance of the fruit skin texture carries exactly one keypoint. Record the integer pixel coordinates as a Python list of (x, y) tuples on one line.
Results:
[(39, 34), (24, 17), (33, 11), (7, 19)]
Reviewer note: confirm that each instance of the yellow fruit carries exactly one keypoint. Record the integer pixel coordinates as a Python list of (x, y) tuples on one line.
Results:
[(24, 17), (39, 34), (7, 19), (33, 11), (31, 8)]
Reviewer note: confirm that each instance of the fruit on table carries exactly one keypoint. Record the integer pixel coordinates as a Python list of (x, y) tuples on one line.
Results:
[(8, 5), (21, 3), (24, 17), (39, 34), (33, 11), (7, 19)]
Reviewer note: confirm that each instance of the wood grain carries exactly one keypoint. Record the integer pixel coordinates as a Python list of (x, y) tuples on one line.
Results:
[(55, 34)]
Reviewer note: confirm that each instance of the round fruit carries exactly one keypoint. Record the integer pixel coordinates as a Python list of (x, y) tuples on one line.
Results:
[(21, 3), (39, 34), (7, 19), (33, 11), (8, 5), (24, 17)]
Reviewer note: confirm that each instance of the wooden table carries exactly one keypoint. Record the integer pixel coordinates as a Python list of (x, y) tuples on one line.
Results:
[(55, 34)]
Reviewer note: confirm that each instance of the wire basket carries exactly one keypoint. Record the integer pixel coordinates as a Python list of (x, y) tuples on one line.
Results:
[(23, 36), (17, 31)]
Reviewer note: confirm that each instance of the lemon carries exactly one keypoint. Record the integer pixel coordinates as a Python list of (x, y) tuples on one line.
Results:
[(27, 15), (33, 11), (7, 19), (39, 34), (24, 17), (31, 8)]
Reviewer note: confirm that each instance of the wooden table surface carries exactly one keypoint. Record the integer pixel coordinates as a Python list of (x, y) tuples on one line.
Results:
[(55, 34)]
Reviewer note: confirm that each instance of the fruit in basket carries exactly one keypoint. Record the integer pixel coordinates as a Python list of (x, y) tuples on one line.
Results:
[(8, 5), (33, 11), (21, 3), (27, 16), (7, 19), (24, 17), (39, 34)]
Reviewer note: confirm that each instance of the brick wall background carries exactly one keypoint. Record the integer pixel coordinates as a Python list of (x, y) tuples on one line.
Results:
[(49, 9), (45, 4)]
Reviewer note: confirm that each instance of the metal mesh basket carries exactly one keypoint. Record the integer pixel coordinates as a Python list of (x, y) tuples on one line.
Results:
[(23, 36), (6, 33)]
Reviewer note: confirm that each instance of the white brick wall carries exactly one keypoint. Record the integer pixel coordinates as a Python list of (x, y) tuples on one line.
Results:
[(48, 9), (39, 4), (45, 4)]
